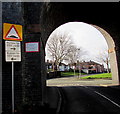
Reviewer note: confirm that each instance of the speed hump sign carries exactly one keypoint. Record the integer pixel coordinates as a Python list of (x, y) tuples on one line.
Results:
[(12, 32)]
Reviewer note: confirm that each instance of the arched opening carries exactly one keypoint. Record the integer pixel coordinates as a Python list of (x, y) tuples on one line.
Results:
[(112, 54), (110, 49)]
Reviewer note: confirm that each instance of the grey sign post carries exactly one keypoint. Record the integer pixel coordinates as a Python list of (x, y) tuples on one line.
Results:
[(0, 57), (12, 54), (13, 103)]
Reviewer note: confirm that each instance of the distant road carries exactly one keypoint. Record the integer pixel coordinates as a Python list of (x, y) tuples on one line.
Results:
[(90, 99)]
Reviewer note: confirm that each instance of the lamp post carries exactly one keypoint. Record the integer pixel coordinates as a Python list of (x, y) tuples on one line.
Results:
[(79, 65), (79, 70), (74, 70)]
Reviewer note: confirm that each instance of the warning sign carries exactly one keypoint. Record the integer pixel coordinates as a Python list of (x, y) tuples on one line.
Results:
[(12, 32), (12, 51)]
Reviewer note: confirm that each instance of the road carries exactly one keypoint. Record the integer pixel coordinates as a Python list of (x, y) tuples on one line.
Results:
[(77, 95), (89, 99)]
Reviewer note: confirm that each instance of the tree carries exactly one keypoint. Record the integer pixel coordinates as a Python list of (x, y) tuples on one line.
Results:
[(59, 46), (104, 58), (75, 54)]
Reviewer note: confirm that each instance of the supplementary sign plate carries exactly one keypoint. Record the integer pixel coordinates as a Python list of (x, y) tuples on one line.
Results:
[(12, 51)]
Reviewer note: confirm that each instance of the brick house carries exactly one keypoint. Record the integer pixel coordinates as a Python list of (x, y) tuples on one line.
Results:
[(88, 67)]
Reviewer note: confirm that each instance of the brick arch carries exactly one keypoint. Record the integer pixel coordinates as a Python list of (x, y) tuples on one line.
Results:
[(55, 14), (112, 54)]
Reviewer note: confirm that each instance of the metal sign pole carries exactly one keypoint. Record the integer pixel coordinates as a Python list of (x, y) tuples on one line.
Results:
[(13, 87), (12, 49)]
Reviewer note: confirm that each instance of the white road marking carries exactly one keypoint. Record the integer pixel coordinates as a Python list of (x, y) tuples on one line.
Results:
[(107, 99)]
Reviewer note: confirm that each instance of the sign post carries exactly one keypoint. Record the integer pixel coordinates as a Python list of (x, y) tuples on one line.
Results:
[(13, 54), (12, 32), (13, 103)]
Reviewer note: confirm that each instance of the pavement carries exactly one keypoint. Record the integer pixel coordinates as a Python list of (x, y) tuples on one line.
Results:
[(75, 81)]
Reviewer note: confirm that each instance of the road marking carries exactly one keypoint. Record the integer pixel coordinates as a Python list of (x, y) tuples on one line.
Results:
[(60, 101), (107, 99)]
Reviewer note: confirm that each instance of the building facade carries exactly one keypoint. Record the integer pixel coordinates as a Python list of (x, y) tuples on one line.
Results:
[(88, 67)]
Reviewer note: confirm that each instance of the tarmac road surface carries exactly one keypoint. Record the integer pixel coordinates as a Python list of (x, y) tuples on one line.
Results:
[(89, 99)]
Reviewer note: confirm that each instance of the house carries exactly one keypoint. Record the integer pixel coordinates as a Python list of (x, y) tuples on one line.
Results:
[(88, 67), (62, 66), (49, 64)]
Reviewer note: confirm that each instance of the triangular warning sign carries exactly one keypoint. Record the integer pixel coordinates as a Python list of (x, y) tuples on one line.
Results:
[(12, 33)]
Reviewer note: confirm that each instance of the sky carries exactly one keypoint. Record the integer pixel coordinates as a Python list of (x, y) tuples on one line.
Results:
[(85, 36)]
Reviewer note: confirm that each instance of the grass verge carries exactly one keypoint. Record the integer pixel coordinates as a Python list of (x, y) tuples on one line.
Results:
[(70, 73), (98, 76)]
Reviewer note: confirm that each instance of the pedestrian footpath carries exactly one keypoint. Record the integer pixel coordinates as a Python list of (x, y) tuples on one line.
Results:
[(75, 81)]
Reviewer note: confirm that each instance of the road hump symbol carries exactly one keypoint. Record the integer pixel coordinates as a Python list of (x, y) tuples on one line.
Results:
[(12, 32)]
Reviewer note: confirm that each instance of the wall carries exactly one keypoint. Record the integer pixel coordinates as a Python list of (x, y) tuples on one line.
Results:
[(11, 13), (33, 77)]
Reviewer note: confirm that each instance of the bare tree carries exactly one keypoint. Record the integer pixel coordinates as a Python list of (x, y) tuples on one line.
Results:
[(75, 54), (104, 58), (59, 46)]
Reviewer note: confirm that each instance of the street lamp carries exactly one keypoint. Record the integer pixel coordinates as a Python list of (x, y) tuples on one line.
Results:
[(79, 64), (79, 70), (74, 70)]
